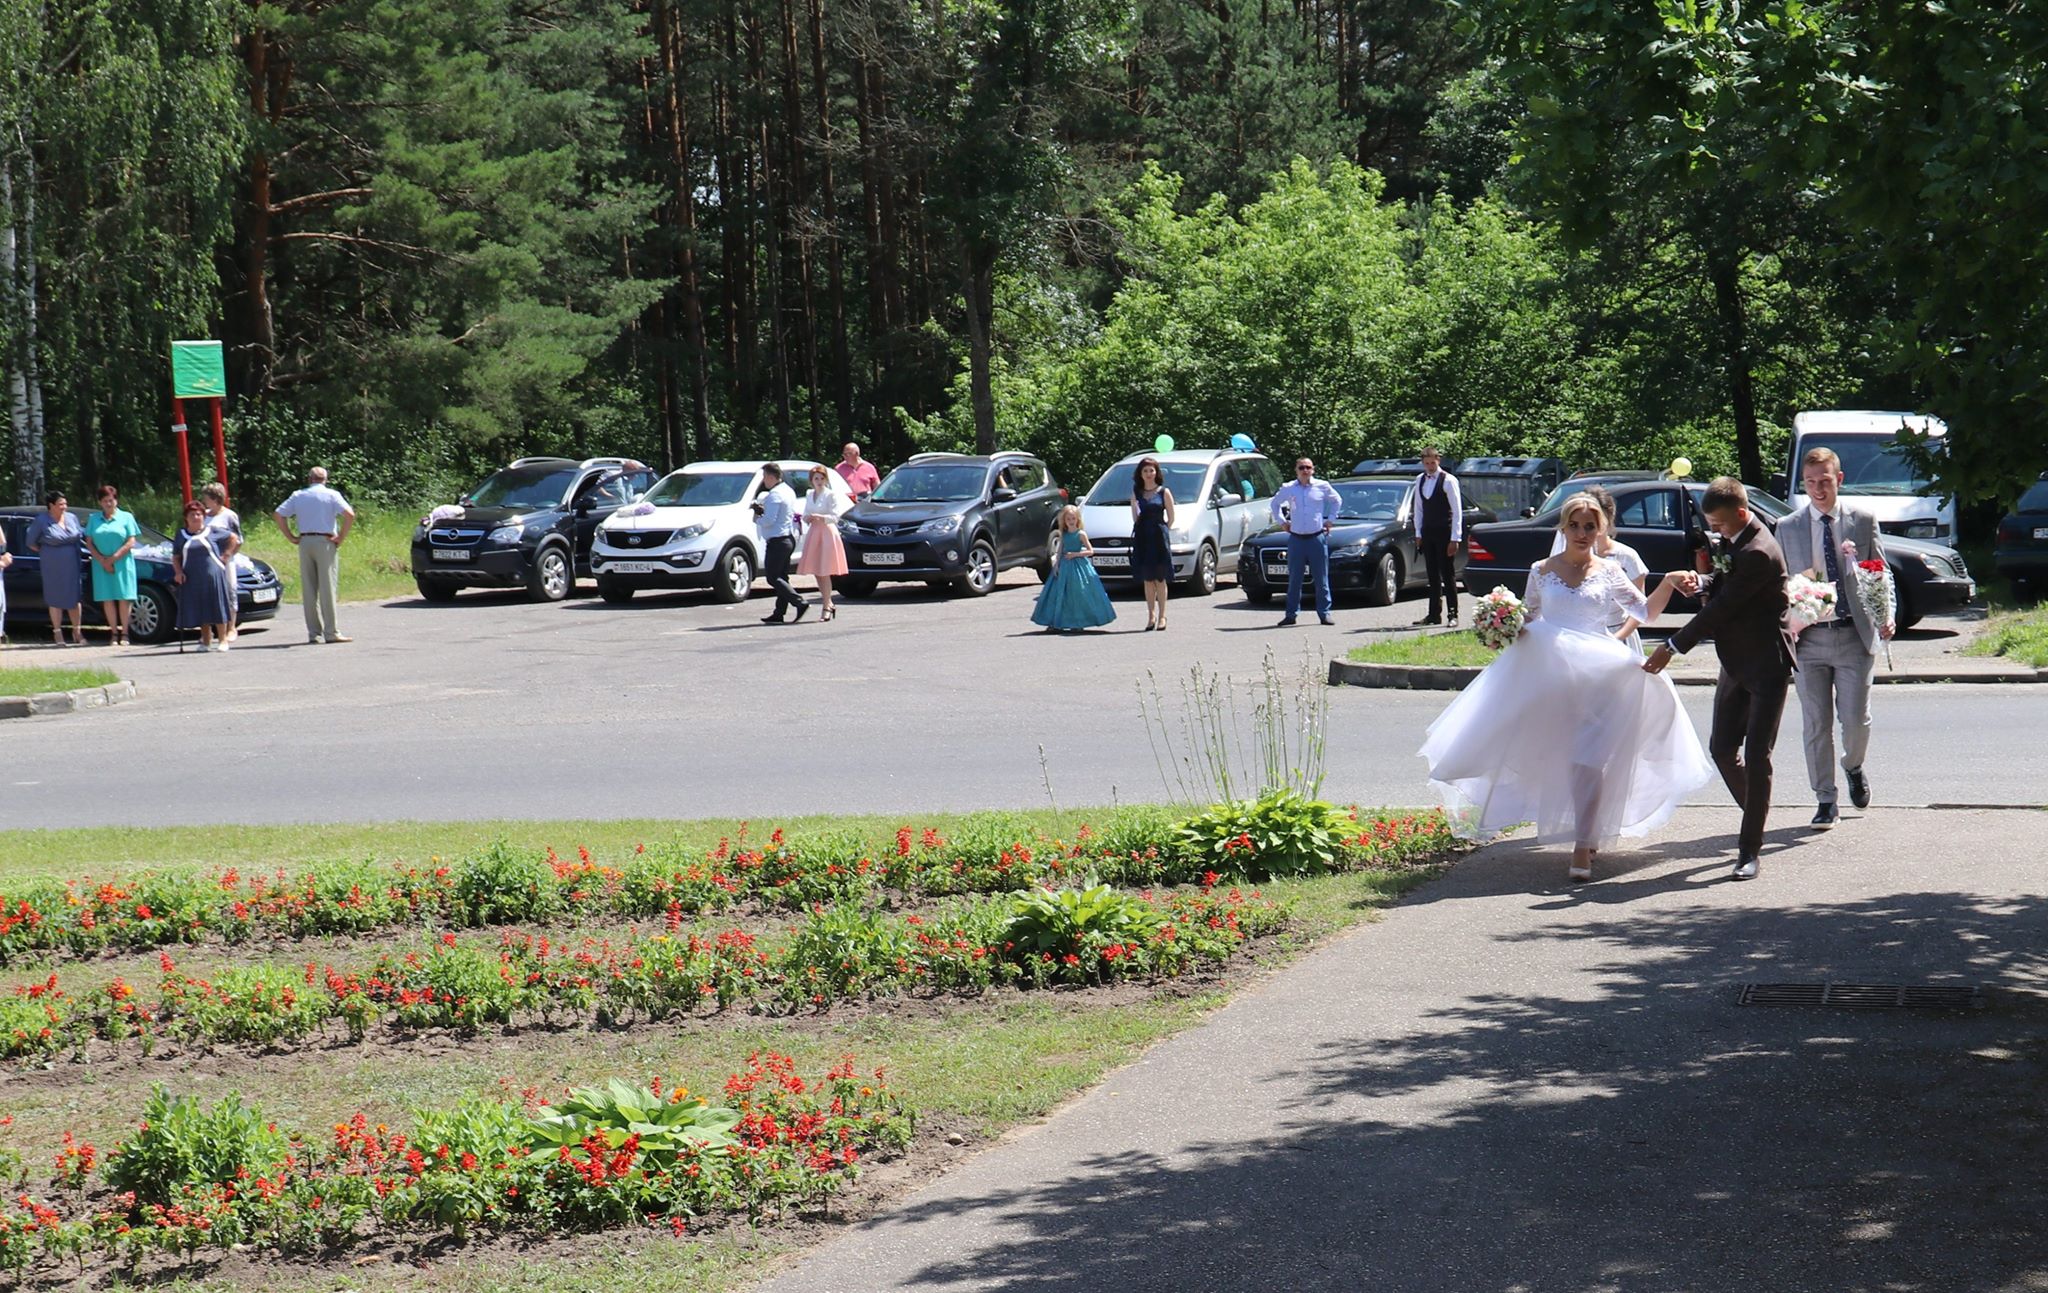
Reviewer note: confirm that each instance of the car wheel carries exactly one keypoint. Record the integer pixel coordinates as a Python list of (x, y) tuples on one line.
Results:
[(1045, 567), (1202, 580), (1386, 581), (614, 592), (735, 582), (856, 586), (551, 578), (981, 570), (153, 616), (1907, 614), (435, 590)]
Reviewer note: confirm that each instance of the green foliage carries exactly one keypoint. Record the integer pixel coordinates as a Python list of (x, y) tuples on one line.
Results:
[(1079, 921), (500, 885), (663, 1128), (1282, 832), (183, 1143)]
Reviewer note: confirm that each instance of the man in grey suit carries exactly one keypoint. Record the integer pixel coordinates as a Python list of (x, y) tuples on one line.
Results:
[(1837, 658)]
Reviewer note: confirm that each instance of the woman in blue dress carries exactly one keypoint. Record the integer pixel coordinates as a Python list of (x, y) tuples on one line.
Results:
[(112, 535), (205, 593), (1151, 545), (1073, 598), (56, 538)]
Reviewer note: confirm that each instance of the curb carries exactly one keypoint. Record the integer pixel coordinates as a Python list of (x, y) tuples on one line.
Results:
[(66, 702), (1415, 677)]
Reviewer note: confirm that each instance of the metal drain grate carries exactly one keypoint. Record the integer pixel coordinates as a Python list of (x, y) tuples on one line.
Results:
[(1863, 996)]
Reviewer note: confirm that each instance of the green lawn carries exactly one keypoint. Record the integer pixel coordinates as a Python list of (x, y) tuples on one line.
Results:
[(1439, 650), (31, 680), (376, 562), (2021, 636)]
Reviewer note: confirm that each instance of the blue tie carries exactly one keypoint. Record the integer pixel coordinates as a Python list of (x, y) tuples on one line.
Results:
[(1834, 564)]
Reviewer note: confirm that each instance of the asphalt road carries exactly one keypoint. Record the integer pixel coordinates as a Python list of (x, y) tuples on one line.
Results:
[(678, 707)]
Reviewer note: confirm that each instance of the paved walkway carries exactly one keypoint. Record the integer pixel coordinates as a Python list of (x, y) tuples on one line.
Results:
[(1514, 1085)]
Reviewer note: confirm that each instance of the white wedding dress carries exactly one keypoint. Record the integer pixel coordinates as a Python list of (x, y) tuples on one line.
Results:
[(1565, 730)]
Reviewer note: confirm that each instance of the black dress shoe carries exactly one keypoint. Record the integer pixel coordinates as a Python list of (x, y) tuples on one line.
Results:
[(1746, 868), (1428, 621), (1287, 623), (802, 608), (773, 619), (1825, 817), (1859, 789)]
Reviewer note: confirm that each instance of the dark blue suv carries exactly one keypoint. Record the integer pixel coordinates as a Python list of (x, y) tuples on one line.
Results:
[(527, 526), (953, 519)]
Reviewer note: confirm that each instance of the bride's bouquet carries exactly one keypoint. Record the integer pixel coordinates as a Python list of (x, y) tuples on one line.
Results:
[(1809, 601), (1497, 618), (1874, 586)]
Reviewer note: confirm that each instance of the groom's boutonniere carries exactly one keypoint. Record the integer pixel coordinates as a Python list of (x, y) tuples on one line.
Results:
[(1722, 559)]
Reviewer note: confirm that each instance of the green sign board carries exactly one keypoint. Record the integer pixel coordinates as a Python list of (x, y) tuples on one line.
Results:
[(198, 371)]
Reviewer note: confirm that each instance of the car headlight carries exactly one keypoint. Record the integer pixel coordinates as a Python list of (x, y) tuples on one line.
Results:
[(507, 534), (1347, 552), (1923, 530), (419, 532), (692, 531), (940, 525)]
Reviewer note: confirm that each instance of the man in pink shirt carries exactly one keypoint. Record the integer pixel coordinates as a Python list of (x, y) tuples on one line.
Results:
[(860, 475)]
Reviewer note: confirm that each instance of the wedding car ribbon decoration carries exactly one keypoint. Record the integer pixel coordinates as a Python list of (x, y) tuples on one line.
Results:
[(636, 509), (1497, 618), (445, 512), (1809, 601), (1877, 591)]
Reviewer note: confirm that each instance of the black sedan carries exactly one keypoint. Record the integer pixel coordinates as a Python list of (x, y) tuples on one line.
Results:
[(2022, 551), (155, 613), (1372, 545), (1656, 517)]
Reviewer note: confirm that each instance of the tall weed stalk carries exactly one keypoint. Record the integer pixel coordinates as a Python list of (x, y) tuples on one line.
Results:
[(1209, 750)]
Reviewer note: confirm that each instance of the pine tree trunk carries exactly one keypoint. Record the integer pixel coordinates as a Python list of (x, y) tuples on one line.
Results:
[(698, 358), (842, 376), (880, 323), (796, 190), (1724, 273), (981, 278), (774, 184)]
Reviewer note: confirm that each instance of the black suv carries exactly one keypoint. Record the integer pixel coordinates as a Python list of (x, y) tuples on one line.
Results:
[(953, 518), (528, 524)]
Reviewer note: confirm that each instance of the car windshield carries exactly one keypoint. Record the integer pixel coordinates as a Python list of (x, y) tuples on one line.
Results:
[(700, 489), (1370, 500), (1183, 479), (1770, 505), (524, 487), (1869, 465), (948, 482)]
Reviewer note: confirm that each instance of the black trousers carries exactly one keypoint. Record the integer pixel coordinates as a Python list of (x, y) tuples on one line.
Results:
[(1442, 570), (776, 572), (1746, 716)]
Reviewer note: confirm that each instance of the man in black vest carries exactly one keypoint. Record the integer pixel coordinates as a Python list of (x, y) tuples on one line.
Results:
[(1439, 529)]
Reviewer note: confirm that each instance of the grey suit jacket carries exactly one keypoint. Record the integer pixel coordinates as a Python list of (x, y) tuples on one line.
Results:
[(1852, 525)]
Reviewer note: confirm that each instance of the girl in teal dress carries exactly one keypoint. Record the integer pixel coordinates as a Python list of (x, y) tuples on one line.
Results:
[(112, 535), (1073, 598)]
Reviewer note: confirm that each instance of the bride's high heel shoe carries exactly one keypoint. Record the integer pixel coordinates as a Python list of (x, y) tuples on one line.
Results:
[(1580, 872)]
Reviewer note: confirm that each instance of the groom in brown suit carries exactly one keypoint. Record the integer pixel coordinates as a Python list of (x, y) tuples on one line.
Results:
[(1744, 614)]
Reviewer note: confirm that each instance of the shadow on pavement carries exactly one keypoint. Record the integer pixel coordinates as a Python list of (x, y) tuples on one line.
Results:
[(1651, 1136)]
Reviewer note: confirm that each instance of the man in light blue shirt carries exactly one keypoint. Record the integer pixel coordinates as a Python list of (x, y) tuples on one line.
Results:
[(324, 519), (775, 520), (1308, 506)]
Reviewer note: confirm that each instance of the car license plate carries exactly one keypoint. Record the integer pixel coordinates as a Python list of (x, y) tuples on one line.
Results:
[(631, 567), (2040, 533), (1276, 572), (1112, 561), (882, 558), (263, 596), (453, 554)]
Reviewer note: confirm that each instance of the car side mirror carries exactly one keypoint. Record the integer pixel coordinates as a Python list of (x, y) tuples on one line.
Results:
[(1003, 494), (1528, 513), (1781, 485)]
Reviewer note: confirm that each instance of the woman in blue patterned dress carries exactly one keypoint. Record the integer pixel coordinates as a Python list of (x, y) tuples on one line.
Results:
[(56, 538), (205, 591), (1073, 597)]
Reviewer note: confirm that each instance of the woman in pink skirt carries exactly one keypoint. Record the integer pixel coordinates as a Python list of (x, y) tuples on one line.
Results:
[(824, 556)]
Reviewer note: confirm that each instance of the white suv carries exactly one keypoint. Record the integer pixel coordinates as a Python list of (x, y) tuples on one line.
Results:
[(694, 529)]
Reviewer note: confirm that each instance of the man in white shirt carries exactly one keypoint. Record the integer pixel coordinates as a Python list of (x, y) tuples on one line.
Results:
[(1838, 657), (1439, 530), (775, 520), (1308, 506), (324, 519)]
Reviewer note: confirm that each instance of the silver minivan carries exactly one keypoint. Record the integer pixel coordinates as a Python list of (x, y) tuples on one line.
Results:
[(1220, 497)]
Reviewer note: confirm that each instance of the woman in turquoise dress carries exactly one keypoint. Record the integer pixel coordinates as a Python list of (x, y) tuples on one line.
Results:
[(111, 535), (1073, 598)]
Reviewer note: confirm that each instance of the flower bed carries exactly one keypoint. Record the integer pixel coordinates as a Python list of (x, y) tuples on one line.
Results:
[(196, 1176), (497, 885), (1033, 938)]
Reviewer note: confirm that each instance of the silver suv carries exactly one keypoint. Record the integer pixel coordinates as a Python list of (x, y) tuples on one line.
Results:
[(1220, 497)]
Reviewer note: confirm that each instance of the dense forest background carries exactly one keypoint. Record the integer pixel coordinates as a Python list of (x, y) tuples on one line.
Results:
[(435, 234)]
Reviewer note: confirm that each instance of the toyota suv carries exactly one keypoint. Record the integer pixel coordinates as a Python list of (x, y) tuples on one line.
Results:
[(953, 519), (527, 525)]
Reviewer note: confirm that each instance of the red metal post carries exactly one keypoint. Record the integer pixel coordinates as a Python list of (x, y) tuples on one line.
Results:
[(184, 446), (220, 446)]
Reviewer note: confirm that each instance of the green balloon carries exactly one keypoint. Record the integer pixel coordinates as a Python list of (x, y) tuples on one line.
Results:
[(1164, 444)]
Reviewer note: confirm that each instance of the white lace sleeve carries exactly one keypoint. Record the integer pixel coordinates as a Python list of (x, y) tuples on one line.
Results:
[(1624, 594), (1532, 598)]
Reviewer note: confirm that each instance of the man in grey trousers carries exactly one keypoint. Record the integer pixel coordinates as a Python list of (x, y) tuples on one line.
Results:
[(324, 519), (1837, 658)]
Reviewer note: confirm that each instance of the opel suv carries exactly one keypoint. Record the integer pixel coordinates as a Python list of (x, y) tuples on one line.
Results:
[(527, 526)]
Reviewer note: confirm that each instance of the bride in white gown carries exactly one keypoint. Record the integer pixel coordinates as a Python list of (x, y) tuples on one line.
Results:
[(1565, 729)]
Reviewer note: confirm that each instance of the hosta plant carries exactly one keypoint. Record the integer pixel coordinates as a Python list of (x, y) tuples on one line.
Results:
[(617, 1112), (1282, 832)]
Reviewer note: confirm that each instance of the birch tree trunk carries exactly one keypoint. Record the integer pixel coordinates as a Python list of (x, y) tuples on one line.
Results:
[(17, 328)]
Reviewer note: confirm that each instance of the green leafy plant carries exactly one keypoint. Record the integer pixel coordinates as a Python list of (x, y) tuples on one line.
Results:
[(1282, 832), (1067, 921), (182, 1143), (617, 1112)]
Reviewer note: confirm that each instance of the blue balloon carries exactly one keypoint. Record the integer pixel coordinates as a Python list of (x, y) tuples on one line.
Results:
[(1242, 443)]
